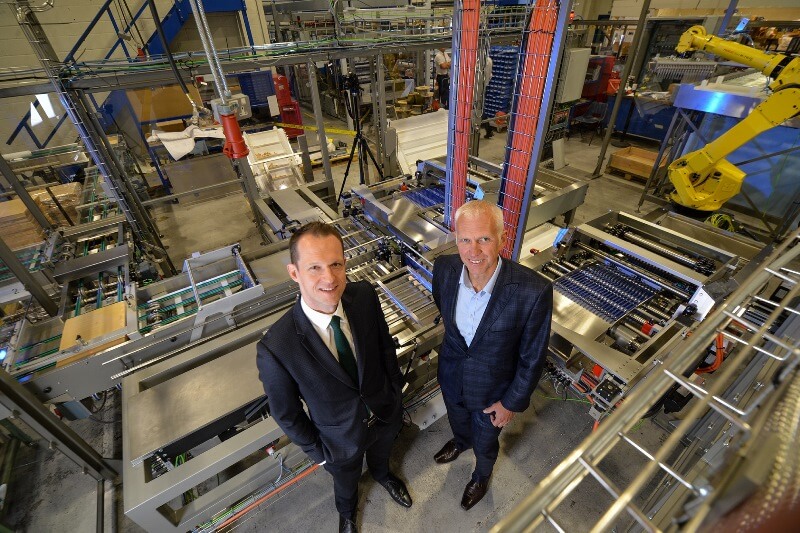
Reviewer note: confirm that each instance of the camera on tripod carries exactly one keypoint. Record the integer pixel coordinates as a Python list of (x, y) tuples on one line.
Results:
[(352, 101)]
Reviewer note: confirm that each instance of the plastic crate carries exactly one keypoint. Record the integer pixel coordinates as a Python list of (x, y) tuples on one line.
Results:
[(258, 86)]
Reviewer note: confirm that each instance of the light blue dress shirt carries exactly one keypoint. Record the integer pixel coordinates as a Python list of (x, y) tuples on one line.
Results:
[(470, 305)]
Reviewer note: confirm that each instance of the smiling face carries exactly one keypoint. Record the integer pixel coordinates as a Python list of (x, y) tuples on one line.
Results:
[(479, 244), (319, 270)]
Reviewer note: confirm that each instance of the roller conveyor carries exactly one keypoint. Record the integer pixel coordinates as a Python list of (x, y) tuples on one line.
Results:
[(603, 290), (625, 291), (32, 258), (426, 197), (163, 310)]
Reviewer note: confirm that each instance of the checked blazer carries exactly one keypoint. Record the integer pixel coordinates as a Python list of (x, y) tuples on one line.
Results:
[(294, 364), (505, 359)]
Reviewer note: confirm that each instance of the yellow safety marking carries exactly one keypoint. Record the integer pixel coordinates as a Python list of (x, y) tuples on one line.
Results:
[(314, 128)]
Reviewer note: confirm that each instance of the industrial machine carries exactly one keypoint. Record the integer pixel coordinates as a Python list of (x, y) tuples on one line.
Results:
[(109, 323), (729, 460), (626, 290), (704, 179), (194, 464)]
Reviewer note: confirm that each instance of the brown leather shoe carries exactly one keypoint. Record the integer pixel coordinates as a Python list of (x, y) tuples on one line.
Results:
[(473, 493), (448, 453)]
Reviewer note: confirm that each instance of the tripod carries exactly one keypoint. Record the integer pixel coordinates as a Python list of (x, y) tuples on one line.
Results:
[(352, 100)]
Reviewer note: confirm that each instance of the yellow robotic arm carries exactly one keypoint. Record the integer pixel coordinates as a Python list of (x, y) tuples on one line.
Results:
[(704, 179)]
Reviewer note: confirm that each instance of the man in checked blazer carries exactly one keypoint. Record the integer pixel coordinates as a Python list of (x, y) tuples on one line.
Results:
[(333, 351), (496, 317)]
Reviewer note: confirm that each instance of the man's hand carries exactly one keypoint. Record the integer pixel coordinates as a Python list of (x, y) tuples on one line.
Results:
[(500, 415)]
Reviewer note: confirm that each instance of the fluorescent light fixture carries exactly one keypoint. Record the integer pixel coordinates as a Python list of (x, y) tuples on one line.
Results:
[(36, 118), (47, 106)]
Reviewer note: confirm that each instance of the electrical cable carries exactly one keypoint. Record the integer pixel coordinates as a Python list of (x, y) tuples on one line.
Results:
[(720, 356), (133, 24), (267, 496), (97, 410), (162, 37)]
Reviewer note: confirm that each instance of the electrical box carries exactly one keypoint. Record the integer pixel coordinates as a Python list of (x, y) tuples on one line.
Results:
[(573, 74), (240, 103)]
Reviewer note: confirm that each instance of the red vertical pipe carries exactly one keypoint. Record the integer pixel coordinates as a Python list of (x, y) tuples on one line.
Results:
[(525, 114), (461, 102)]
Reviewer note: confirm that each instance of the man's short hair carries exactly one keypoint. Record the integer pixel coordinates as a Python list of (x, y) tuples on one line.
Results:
[(479, 208), (315, 229)]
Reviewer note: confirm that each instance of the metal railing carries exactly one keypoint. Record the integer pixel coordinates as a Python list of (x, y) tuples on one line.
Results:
[(715, 430)]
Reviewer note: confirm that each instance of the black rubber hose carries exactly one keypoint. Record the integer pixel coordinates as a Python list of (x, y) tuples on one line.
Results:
[(163, 39)]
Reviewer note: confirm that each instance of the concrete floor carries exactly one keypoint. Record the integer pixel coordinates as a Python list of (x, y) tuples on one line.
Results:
[(49, 493)]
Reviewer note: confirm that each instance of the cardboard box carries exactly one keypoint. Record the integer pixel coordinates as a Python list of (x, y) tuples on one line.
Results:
[(109, 322), (156, 104), (633, 161), (17, 227)]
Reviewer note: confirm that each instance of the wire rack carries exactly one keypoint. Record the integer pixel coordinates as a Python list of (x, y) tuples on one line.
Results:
[(720, 429), (466, 28), (529, 100)]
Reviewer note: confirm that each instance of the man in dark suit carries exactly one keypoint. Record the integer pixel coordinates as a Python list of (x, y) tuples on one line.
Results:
[(496, 316), (333, 350)]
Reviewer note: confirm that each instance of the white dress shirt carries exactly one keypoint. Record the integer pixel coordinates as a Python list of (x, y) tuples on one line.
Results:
[(322, 325), (439, 59)]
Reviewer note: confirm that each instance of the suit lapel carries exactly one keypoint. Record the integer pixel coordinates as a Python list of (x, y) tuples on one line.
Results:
[(501, 294), (311, 341), (451, 296), (450, 300)]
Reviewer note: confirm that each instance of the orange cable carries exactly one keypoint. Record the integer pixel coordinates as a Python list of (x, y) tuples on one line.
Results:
[(266, 497), (720, 343)]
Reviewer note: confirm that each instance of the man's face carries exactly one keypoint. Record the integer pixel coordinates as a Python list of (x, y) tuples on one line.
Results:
[(479, 244), (319, 272)]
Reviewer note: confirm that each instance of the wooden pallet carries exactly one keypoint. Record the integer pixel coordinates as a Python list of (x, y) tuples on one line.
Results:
[(335, 159), (627, 175)]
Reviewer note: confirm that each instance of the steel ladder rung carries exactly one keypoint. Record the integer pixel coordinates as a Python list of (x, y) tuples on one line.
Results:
[(782, 276), (615, 493), (663, 466), (752, 327), (753, 346), (714, 402), (775, 304)]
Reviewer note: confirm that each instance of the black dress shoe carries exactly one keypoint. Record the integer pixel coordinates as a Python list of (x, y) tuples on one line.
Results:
[(397, 490), (473, 493), (448, 453), (346, 525)]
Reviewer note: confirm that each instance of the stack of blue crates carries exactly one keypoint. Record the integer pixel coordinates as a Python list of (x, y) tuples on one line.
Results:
[(258, 86), (500, 91)]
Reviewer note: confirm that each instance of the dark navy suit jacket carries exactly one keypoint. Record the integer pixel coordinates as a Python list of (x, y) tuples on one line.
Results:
[(294, 364), (505, 360)]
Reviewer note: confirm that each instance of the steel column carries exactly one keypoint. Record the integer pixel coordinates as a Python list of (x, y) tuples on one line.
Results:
[(382, 119), (626, 71), (26, 278), (323, 139), (22, 192), (726, 19)]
